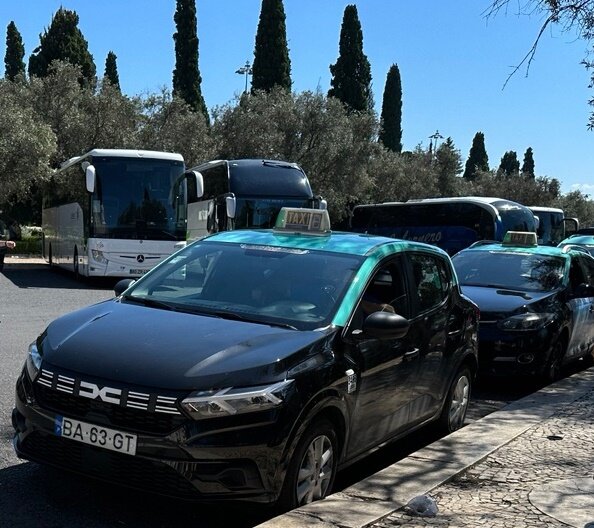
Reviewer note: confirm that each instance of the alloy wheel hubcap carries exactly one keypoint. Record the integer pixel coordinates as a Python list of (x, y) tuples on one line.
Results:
[(459, 403), (315, 473)]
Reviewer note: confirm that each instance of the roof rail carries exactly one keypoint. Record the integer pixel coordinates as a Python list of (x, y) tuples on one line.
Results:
[(574, 247)]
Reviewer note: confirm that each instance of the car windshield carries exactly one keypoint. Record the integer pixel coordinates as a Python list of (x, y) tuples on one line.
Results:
[(290, 287), (509, 269)]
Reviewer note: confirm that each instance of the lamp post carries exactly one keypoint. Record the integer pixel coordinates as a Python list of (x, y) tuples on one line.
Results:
[(246, 70), (434, 138)]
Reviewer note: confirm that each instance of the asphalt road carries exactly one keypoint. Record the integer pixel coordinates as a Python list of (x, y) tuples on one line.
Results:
[(32, 495)]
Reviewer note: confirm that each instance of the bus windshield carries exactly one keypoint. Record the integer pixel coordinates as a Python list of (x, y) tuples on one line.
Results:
[(262, 212), (134, 199)]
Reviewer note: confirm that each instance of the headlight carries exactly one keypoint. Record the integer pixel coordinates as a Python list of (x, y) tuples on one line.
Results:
[(33, 361), (98, 256), (526, 321), (231, 401)]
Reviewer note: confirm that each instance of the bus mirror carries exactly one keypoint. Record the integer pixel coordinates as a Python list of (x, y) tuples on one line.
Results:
[(199, 184), (323, 204), (230, 203), (90, 177), (537, 221), (571, 225)]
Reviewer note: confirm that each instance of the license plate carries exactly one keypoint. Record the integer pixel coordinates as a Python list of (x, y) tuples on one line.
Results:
[(138, 271), (96, 435)]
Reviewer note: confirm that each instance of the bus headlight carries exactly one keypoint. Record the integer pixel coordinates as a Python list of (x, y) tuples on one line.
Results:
[(98, 256), (33, 361), (231, 401)]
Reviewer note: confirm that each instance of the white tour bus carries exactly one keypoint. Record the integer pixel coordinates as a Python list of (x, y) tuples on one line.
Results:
[(553, 226), (114, 213)]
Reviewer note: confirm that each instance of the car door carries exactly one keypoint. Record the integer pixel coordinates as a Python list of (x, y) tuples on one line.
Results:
[(438, 326), (581, 311), (386, 369), (587, 264)]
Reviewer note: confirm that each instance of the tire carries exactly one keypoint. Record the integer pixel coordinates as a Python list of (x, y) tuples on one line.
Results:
[(75, 265), (553, 367), (454, 409), (312, 468)]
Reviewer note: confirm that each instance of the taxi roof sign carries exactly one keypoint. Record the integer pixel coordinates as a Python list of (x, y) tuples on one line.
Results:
[(298, 220), (520, 239)]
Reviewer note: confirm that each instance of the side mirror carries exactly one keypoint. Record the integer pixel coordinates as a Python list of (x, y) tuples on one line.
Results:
[(537, 221), (90, 176), (571, 225), (385, 325), (122, 286), (231, 204), (199, 184)]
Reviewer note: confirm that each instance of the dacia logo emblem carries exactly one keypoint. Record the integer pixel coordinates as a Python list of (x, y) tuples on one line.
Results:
[(140, 258)]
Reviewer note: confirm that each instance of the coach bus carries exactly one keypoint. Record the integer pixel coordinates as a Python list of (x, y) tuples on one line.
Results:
[(450, 223), (553, 226), (244, 194), (114, 213)]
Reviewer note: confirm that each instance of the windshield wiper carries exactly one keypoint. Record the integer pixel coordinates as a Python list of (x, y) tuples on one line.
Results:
[(150, 302), (237, 317)]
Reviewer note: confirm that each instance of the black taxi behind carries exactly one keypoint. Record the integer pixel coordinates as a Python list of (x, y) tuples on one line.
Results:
[(536, 303), (252, 365)]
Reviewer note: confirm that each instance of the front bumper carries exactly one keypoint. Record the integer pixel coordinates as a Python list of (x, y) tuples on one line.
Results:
[(173, 460), (520, 353)]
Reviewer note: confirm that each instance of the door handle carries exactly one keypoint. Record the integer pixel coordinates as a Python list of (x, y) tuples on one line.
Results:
[(411, 354)]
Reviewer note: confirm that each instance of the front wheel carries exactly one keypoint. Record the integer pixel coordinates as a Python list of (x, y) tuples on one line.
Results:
[(456, 404), (553, 368), (312, 469)]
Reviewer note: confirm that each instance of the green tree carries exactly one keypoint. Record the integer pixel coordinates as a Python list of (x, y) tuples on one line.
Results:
[(391, 120), (63, 41), (528, 164), (477, 158), (272, 65), (27, 144), (510, 165), (448, 162), (15, 51), (186, 75), (111, 70), (351, 74)]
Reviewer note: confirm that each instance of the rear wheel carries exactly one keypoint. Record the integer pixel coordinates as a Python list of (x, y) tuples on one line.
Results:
[(456, 404), (312, 469)]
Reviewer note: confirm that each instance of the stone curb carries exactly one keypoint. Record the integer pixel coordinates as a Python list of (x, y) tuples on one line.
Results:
[(381, 494)]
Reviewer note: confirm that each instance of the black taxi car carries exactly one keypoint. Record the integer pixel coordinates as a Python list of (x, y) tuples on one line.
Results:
[(536, 303), (252, 365)]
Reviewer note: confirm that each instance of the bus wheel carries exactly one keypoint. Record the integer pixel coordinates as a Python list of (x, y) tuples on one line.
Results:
[(75, 264)]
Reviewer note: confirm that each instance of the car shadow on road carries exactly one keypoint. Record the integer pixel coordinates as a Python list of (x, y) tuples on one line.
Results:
[(40, 276), (35, 495)]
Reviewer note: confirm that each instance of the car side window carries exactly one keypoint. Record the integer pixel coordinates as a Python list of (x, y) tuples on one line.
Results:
[(576, 274), (431, 280), (588, 269)]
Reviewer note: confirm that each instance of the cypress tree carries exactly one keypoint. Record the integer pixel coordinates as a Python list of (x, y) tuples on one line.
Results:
[(448, 165), (15, 51), (477, 158), (63, 41), (111, 70), (391, 132), (186, 75), (272, 65), (528, 164), (509, 164), (351, 74)]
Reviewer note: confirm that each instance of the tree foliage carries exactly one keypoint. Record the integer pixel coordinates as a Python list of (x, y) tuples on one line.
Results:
[(63, 41), (272, 65), (391, 120), (351, 74), (111, 70), (509, 165), (477, 161), (15, 51), (186, 75), (528, 164), (448, 163)]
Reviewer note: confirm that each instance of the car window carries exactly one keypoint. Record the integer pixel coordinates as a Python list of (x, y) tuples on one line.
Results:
[(431, 280), (576, 273), (588, 269)]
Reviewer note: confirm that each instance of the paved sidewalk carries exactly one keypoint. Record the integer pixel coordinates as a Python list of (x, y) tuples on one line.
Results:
[(528, 465)]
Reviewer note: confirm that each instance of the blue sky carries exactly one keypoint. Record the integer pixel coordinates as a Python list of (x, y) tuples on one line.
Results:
[(453, 64)]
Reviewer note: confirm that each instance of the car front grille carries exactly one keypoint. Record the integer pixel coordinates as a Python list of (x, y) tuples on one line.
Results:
[(108, 414)]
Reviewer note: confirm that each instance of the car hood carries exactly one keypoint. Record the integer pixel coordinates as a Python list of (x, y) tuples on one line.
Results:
[(178, 351), (500, 302)]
